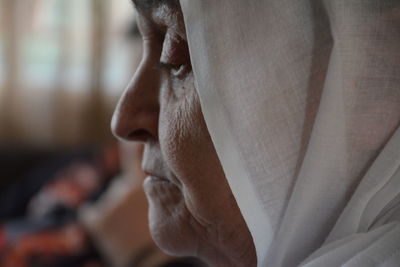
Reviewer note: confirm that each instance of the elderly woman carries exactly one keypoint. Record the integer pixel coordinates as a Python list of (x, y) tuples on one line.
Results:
[(270, 130)]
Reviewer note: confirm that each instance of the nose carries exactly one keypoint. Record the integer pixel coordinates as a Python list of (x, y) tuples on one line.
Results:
[(136, 115)]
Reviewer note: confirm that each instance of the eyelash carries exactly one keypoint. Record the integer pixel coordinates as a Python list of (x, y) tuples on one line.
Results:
[(177, 70), (174, 56), (167, 66)]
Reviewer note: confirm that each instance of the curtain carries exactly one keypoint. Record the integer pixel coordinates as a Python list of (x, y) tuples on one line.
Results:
[(63, 64)]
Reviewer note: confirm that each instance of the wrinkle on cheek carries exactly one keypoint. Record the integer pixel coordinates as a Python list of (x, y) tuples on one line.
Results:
[(180, 130)]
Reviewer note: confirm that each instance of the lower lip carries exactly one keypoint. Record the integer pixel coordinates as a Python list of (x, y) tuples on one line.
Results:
[(153, 182)]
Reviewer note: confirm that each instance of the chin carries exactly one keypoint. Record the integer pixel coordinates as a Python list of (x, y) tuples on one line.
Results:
[(169, 219)]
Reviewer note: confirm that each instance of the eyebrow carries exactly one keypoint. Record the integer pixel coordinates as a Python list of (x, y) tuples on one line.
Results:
[(146, 5)]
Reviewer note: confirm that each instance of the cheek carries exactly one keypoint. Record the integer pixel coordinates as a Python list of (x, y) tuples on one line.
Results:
[(182, 133), (190, 154)]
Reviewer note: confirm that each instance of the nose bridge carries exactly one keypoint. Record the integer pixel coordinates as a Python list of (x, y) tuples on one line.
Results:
[(136, 115)]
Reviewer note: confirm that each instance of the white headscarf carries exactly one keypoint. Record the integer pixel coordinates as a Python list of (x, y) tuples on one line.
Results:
[(302, 101)]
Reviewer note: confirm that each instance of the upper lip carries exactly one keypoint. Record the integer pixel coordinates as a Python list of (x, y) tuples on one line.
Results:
[(155, 167)]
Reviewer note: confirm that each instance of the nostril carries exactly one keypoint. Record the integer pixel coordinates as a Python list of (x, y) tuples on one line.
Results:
[(139, 135)]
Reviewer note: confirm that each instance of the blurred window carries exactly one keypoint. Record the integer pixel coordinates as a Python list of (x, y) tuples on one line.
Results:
[(56, 56)]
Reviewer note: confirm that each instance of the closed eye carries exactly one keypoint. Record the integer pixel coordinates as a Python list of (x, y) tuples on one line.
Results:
[(167, 66), (175, 70)]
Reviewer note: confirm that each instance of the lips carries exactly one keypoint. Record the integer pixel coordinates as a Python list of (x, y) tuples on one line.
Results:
[(155, 179), (154, 166), (154, 176)]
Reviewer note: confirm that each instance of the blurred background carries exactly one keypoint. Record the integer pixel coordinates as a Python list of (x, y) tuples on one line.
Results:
[(70, 194), (63, 65)]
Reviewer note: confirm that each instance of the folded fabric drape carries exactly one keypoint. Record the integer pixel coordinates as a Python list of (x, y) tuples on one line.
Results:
[(301, 99)]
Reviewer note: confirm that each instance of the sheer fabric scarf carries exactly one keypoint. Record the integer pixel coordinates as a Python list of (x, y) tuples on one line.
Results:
[(302, 100)]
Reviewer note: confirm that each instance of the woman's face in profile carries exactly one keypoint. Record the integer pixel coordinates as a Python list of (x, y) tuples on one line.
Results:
[(192, 210)]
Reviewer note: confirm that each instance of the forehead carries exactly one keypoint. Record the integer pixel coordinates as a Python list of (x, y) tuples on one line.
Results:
[(165, 13), (151, 5)]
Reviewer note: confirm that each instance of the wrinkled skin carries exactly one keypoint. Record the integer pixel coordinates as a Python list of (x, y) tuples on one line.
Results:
[(192, 209)]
